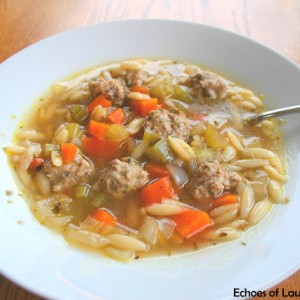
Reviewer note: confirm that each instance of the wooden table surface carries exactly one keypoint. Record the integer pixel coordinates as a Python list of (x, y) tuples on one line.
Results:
[(275, 23)]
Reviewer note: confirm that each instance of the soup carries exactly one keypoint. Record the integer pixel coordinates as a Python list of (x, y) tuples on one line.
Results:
[(148, 157)]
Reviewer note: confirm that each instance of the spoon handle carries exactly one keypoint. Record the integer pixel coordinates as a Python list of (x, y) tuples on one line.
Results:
[(275, 113)]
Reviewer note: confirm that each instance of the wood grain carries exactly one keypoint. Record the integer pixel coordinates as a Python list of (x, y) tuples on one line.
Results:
[(23, 22)]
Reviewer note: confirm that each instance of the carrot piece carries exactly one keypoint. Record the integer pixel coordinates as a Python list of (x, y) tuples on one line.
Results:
[(36, 164), (117, 116), (140, 89), (100, 100), (224, 200), (191, 221), (102, 215), (196, 116), (68, 152), (104, 150), (98, 130), (156, 191), (156, 170), (143, 107)]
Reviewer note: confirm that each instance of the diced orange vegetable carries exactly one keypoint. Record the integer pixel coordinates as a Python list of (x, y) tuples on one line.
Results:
[(103, 150), (140, 89), (98, 129), (156, 191), (36, 163), (100, 100), (117, 116), (69, 192), (194, 115), (190, 222), (156, 170), (104, 216), (143, 107), (163, 106), (225, 199), (68, 152)]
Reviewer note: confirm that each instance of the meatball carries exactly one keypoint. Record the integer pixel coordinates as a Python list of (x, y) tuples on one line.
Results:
[(115, 90), (210, 179), (68, 175), (208, 86), (167, 124), (122, 177)]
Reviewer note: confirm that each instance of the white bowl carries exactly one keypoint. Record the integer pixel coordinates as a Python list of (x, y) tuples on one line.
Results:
[(41, 261)]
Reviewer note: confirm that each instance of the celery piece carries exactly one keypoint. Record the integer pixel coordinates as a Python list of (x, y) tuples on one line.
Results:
[(117, 133), (177, 104), (213, 138), (181, 94), (160, 152), (150, 136), (205, 155), (82, 191), (98, 200), (79, 113), (158, 91), (162, 88), (48, 148), (74, 130), (168, 85)]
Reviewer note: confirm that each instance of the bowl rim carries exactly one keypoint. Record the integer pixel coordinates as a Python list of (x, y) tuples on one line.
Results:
[(40, 291), (156, 20)]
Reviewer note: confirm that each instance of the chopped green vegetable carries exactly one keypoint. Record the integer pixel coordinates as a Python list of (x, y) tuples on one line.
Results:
[(162, 88), (181, 94), (98, 200), (82, 191), (48, 148), (117, 133), (79, 113), (213, 138), (73, 130), (160, 152), (177, 104), (158, 91), (205, 155), (150, 136), (198, 129)]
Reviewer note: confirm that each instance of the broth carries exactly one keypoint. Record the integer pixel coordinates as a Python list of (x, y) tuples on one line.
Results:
[(148, 157)]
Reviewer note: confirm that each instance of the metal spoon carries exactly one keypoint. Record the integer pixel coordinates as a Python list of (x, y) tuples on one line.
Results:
[(274, 113)]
